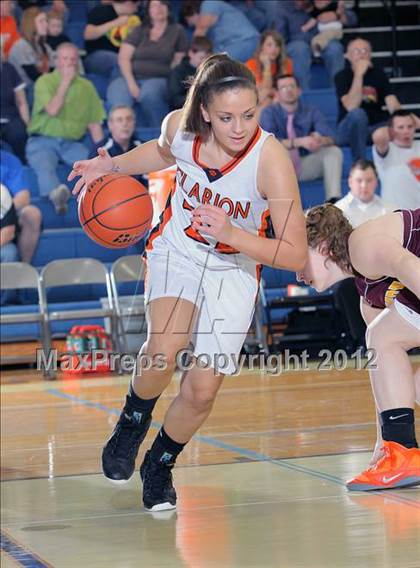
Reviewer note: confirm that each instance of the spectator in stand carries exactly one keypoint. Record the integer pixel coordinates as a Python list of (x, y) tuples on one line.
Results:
[(178, 82), (107, 26), (55, 30), (397, 158), (227, 27), (326, 16), (304, 131), (28, 215), (292, 15), (31, 55), (269, 61), (362, 90), (14, 110), (359, 205), (66, 107), (9, 33), (8, 230), (146, 58), (121, 124)]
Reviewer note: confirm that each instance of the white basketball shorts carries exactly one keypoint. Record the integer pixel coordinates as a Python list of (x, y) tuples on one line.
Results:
[(225, 300)]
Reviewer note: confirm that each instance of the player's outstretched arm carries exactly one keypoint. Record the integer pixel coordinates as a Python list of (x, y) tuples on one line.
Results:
[(277, 182), (149, 157)]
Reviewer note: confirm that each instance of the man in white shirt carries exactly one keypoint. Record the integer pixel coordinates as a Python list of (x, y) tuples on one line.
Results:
[(397, 158), (361, 203)]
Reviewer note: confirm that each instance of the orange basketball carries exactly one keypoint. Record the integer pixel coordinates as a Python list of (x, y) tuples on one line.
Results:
[(115, 211)]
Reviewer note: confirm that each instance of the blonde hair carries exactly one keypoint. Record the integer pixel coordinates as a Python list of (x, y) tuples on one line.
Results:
[(327, 225), (55, 15)]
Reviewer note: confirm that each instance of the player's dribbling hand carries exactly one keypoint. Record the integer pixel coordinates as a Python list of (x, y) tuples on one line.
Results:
[(213, 221), (89, 170)]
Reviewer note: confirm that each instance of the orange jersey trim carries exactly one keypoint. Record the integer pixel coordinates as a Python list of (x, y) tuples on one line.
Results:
[(195, 235), (265, 217), (164, 220), (232, 163)]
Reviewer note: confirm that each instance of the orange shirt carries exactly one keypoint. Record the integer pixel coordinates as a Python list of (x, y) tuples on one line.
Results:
[(9, 33), (254, 66)]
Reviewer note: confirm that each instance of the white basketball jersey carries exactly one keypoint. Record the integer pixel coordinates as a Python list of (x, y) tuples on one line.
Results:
[(233, 188)]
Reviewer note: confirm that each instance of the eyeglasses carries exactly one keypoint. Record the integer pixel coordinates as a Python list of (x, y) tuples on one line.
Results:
[(289, 86), (360, 51)]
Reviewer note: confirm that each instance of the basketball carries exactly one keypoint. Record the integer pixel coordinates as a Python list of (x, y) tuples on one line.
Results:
[(115, 211)]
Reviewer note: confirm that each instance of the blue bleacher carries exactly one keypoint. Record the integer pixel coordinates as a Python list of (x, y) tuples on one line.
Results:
[(30, 331), (275, 284), (100, 82), (77, 11), (319, 77), (75, 31), (74, 243)]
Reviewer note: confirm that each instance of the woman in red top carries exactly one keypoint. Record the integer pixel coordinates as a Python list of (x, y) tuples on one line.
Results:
[(269, 61)]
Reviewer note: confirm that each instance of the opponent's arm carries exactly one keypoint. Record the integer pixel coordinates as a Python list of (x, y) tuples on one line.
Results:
[(277, 182)]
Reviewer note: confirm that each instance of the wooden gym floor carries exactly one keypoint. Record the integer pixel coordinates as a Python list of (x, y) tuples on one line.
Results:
[(261, 485)]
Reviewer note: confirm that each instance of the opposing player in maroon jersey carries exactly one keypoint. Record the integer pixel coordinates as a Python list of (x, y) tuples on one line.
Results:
[(384, 257)]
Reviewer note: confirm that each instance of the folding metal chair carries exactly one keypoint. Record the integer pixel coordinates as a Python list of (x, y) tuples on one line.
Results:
[(74, 272), (19, 276), (126, 269)]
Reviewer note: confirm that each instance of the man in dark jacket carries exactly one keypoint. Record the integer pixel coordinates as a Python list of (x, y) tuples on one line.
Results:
[(121, 124)]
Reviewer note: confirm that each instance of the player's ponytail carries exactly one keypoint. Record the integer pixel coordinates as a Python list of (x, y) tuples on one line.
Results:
[(217, 73)]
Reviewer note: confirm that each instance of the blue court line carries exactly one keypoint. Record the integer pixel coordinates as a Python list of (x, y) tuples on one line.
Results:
[(20, 554), (250, 454)]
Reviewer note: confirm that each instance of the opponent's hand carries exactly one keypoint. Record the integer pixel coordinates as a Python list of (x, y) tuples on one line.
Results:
[(213, 221), (89, 170)]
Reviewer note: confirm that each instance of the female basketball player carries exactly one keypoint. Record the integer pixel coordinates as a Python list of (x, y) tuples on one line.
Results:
[(202, 258), (383, 255)]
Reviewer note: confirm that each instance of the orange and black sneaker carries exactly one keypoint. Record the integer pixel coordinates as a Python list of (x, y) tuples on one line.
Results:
[(399, 467)]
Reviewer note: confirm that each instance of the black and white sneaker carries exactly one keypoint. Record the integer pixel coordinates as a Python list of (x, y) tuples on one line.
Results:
[(158, 491), (120, 451)]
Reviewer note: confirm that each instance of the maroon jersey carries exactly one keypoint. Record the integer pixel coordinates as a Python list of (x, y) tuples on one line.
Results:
[(380, 293)]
